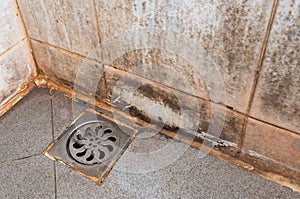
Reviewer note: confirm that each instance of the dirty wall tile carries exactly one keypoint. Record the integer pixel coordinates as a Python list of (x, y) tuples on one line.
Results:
[(238, 32), (16, 66), (67, 24), (228, 35), (10, 23), (166, 68), (69, 70), (277, 97), (273, 143), (160, 103)]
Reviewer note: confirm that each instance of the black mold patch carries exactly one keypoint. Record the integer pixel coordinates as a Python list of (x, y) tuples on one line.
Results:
[(160, 95)]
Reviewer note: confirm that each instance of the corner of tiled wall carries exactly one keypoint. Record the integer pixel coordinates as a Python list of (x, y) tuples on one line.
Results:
[(16, 62), (234, 33)]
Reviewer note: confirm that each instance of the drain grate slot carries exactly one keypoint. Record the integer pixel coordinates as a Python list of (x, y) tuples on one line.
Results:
[(91, 144)]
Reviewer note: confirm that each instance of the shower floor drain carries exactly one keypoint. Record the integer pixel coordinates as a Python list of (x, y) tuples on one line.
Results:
[(91, 144)]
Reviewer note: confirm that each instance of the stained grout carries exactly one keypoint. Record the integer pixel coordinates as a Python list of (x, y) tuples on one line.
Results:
[(63, 49), (97, 25), (257, 74), (26, 33), (12, 47)]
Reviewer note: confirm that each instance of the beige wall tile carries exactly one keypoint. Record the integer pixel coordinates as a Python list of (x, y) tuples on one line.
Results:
[(67, 24), (272, 143), (69, 69)]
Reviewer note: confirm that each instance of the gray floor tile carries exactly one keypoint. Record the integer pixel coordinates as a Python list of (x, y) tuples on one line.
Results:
[(26, 129), (31, 177), (187, 177), (71, 184), (64, 111), (191, 176)]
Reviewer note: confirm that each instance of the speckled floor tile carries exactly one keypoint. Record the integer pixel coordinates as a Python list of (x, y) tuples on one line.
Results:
[(27, 178), (26, 129), (187, 177)]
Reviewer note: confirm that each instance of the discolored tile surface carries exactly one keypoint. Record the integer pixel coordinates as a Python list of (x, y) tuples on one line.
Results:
[(67, 24), (159, 103), (239, 29), (277, 97), (26, 129), (272, 143), (16, 66), (223, 34), (72, 71), (32, 177)]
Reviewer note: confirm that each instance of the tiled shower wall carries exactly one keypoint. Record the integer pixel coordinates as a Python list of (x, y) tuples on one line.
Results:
[(256, 54), (16, 63)]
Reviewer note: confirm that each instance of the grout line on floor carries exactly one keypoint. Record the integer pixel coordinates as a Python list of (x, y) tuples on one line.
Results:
[(52, 132), (55, 185), (52, 113)]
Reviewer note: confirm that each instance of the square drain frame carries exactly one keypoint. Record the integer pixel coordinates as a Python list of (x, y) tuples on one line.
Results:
[(91, 144)]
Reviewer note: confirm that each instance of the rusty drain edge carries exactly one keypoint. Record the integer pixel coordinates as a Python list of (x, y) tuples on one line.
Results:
[(113, 162)]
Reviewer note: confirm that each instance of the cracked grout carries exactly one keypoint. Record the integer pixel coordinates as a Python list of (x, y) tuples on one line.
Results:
[(21, 158)]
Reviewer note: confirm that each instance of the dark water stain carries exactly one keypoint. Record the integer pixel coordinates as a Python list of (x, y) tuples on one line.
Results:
[(160, 95)]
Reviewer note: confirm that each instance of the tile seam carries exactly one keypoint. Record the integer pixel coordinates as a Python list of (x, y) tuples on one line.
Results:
[(26, 35), (257, 72)]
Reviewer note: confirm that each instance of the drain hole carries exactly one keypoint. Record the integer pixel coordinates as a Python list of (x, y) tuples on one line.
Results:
[(91, 157), (113, 139), (97, 129), (109, 147), (77, 145), (102, 154), (80, 154), (107, 131), (80, 137)]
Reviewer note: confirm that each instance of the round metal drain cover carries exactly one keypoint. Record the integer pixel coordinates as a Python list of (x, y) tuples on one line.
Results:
[(93, 143)]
